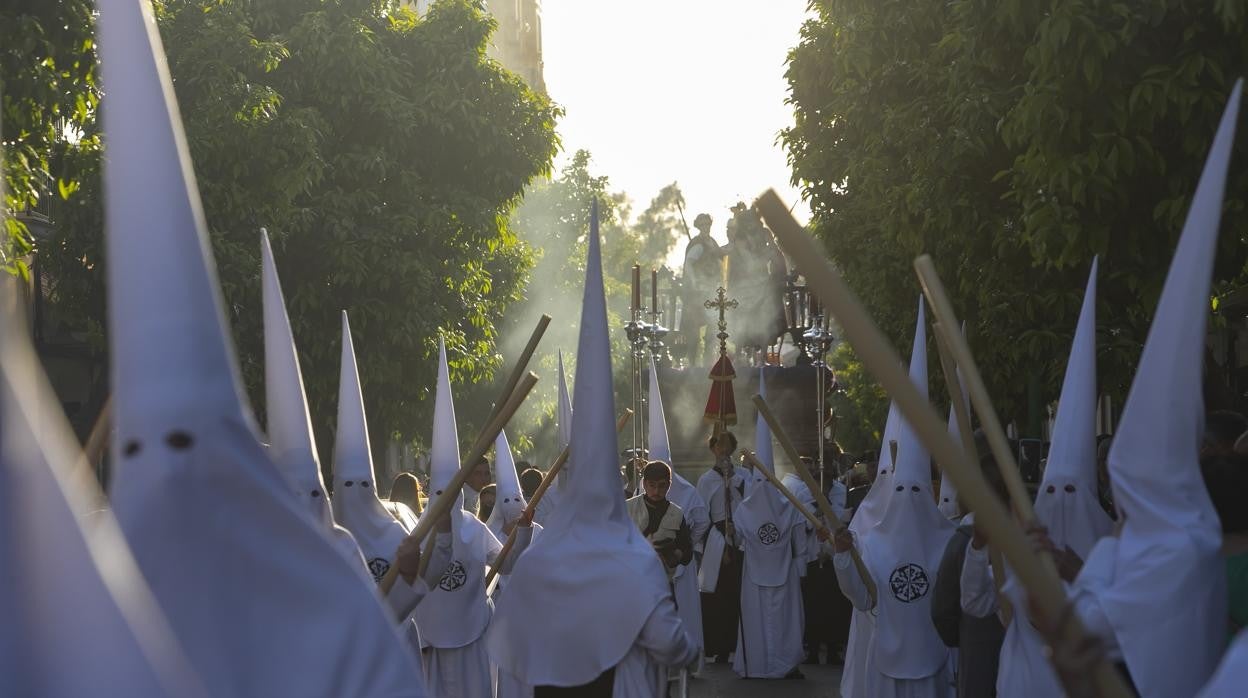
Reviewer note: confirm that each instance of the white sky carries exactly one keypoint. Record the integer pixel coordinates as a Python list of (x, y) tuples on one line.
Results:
[(684, 90)]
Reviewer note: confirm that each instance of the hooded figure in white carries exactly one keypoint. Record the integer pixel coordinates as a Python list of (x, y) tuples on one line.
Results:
[(684, 495), (858, 655), (1067, 505), (356, 504), (454, 618), (509, 500), (259, 597), (949, 506), (588, 605), (291, 445), (509, 505), (563, 425), (1157, 591), (902, 553), (79, 619), (769, 639)]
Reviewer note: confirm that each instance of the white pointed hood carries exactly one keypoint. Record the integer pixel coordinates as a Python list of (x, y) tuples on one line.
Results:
[(291, 444), (457, 611), (763, 518), (1167, 601), (289, 423), (100, 618), (1068, 503), (904, 549), (356, 505), (590, 580), (563, 418), (871, 508), (444, 446), (229, 555), (948, 504), (509, 500), (682, 493)]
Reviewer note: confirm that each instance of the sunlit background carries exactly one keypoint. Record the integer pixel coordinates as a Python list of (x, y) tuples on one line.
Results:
[(691, 91)]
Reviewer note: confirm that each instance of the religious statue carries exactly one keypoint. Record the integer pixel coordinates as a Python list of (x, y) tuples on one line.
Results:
[(757, 274), (701, 276)]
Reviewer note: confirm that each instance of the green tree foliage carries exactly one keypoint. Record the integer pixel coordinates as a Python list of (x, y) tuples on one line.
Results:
[(47, 106), (1013, 141), (383, 152)]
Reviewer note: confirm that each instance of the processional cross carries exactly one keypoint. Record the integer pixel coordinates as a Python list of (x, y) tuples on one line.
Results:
[(722, 303)]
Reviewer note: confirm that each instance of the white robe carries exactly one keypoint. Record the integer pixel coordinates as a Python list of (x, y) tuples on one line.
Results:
[(769, 640), (1232, 674), (662, 643), (874, 683), (465, 670)]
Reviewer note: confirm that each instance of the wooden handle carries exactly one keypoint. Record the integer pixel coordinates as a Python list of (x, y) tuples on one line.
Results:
[(513, 380), (821, 499), (946, 326), (540, 492), (440, 506), (958, 402), (882, 360)]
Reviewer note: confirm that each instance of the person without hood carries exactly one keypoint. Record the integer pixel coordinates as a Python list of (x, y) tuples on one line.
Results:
[(454, 617), (683, 494), (773, 537), (1155, 594), (1067, 506), (659, 520), (588, 611), (902, 554), (721, 606)]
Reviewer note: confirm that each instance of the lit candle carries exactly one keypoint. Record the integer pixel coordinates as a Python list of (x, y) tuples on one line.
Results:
[(727, 261), (654, 290), (636, 287)]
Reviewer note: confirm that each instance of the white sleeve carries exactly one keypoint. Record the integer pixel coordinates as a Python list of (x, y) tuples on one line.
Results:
[(850, 582), (699, 522), (524, 534), (979, 593), (1097, 575), (404, 598), (664, 637)]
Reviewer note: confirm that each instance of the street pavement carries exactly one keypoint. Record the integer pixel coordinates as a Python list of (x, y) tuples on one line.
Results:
[(718, 681)]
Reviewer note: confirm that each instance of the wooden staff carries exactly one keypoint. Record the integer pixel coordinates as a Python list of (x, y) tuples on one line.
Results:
[(956, 343), (873, 348), (522, 365), (821, 500), (531, 507), (450, 496), (958, 401)]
